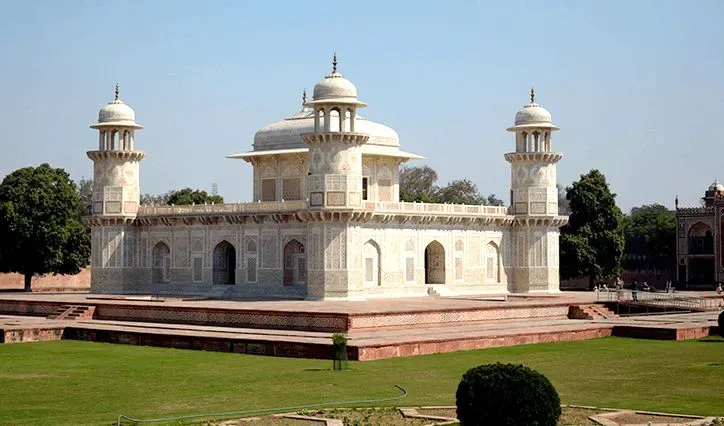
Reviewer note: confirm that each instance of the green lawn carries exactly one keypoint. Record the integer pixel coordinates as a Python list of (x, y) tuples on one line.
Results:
[(71, 382)]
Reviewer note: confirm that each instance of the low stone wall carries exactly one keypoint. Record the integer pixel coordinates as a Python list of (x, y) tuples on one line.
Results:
[(48, 283), (305, 321), (182, 341), (466, 344)]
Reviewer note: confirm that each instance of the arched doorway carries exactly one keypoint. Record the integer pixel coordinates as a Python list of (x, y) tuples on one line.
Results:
[(372, 266), (295, 263), (434, 263), (224, 263), (161, 263)]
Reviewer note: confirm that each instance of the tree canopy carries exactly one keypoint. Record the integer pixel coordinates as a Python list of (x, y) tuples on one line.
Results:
[(85, 190), (592, 242), (188, 196), (40, 227), (417, 184), (650, 232)]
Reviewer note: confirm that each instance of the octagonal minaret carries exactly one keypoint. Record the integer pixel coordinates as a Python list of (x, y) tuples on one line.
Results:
[(335, 155), (534, 201), (116, 162)]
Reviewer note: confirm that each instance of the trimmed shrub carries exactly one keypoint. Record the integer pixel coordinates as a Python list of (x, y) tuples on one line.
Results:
[(720, 321), (339, 345), (506, 395)]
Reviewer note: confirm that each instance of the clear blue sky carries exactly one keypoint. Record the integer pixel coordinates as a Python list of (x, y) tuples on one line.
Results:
[(637, 87)]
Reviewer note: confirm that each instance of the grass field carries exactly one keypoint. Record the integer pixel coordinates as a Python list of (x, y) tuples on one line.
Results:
[(76, 383)]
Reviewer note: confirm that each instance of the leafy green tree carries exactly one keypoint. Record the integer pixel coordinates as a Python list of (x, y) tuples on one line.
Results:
[(650, 232), (40, 227), (492, 200), (418, 184), (85, 191), (592, 242), (188, 196), (564, 206), (155, 200), (462, 191)]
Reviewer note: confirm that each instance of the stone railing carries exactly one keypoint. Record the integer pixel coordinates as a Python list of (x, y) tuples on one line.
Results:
[(286, 206), (695, 210), (432, 208), (200, 209)]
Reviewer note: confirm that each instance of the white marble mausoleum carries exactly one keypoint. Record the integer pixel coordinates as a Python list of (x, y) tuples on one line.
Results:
[(326, 221)]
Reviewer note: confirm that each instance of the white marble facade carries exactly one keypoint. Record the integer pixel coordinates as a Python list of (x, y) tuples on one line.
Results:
[(326, 221)]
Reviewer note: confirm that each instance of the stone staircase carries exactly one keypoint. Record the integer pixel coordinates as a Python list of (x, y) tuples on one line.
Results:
[(590, 312), (73, 312)]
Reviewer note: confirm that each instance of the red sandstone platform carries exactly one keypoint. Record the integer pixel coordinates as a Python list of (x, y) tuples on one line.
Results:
[(376, 329)]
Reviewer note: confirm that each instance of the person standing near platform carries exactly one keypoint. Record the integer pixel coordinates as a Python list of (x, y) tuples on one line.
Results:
[(635, 291)]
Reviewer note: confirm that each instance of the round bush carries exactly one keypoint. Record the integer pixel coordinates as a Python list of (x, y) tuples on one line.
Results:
[(506, 395), (721, 323)]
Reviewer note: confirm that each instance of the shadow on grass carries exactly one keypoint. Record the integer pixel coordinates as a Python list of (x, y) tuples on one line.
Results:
[(711, 339)]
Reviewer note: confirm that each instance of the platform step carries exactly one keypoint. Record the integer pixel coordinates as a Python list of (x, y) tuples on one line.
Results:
[(590, 312)]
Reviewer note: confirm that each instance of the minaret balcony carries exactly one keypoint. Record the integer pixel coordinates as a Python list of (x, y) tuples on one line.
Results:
[(123, 155), (525, 157), (343, 137)]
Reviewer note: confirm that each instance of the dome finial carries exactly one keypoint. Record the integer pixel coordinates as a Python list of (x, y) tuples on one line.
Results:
[(532, 95), (334, 63), (117, 92), (304, 96)]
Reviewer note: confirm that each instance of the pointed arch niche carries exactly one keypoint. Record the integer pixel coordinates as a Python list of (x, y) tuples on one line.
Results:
[(372, 264), (492, 263), (224, 263), (295, 264), (161, 256), (434, 263)]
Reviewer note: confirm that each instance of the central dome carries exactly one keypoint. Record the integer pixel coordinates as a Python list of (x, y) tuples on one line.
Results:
[(287, 133), (334, 86)]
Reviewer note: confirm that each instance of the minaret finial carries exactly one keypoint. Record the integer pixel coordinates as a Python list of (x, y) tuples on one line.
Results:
[(532, 95), (117, 92), (334, 63), (304, 97)]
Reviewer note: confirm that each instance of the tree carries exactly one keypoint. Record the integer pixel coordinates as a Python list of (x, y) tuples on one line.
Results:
[(506, 395), (155, 200), (462, 191), (492, 200), (564, 207), (417, 184), (592, 242), (40, 227), (85, 191), (188, 196), (650, 231)]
